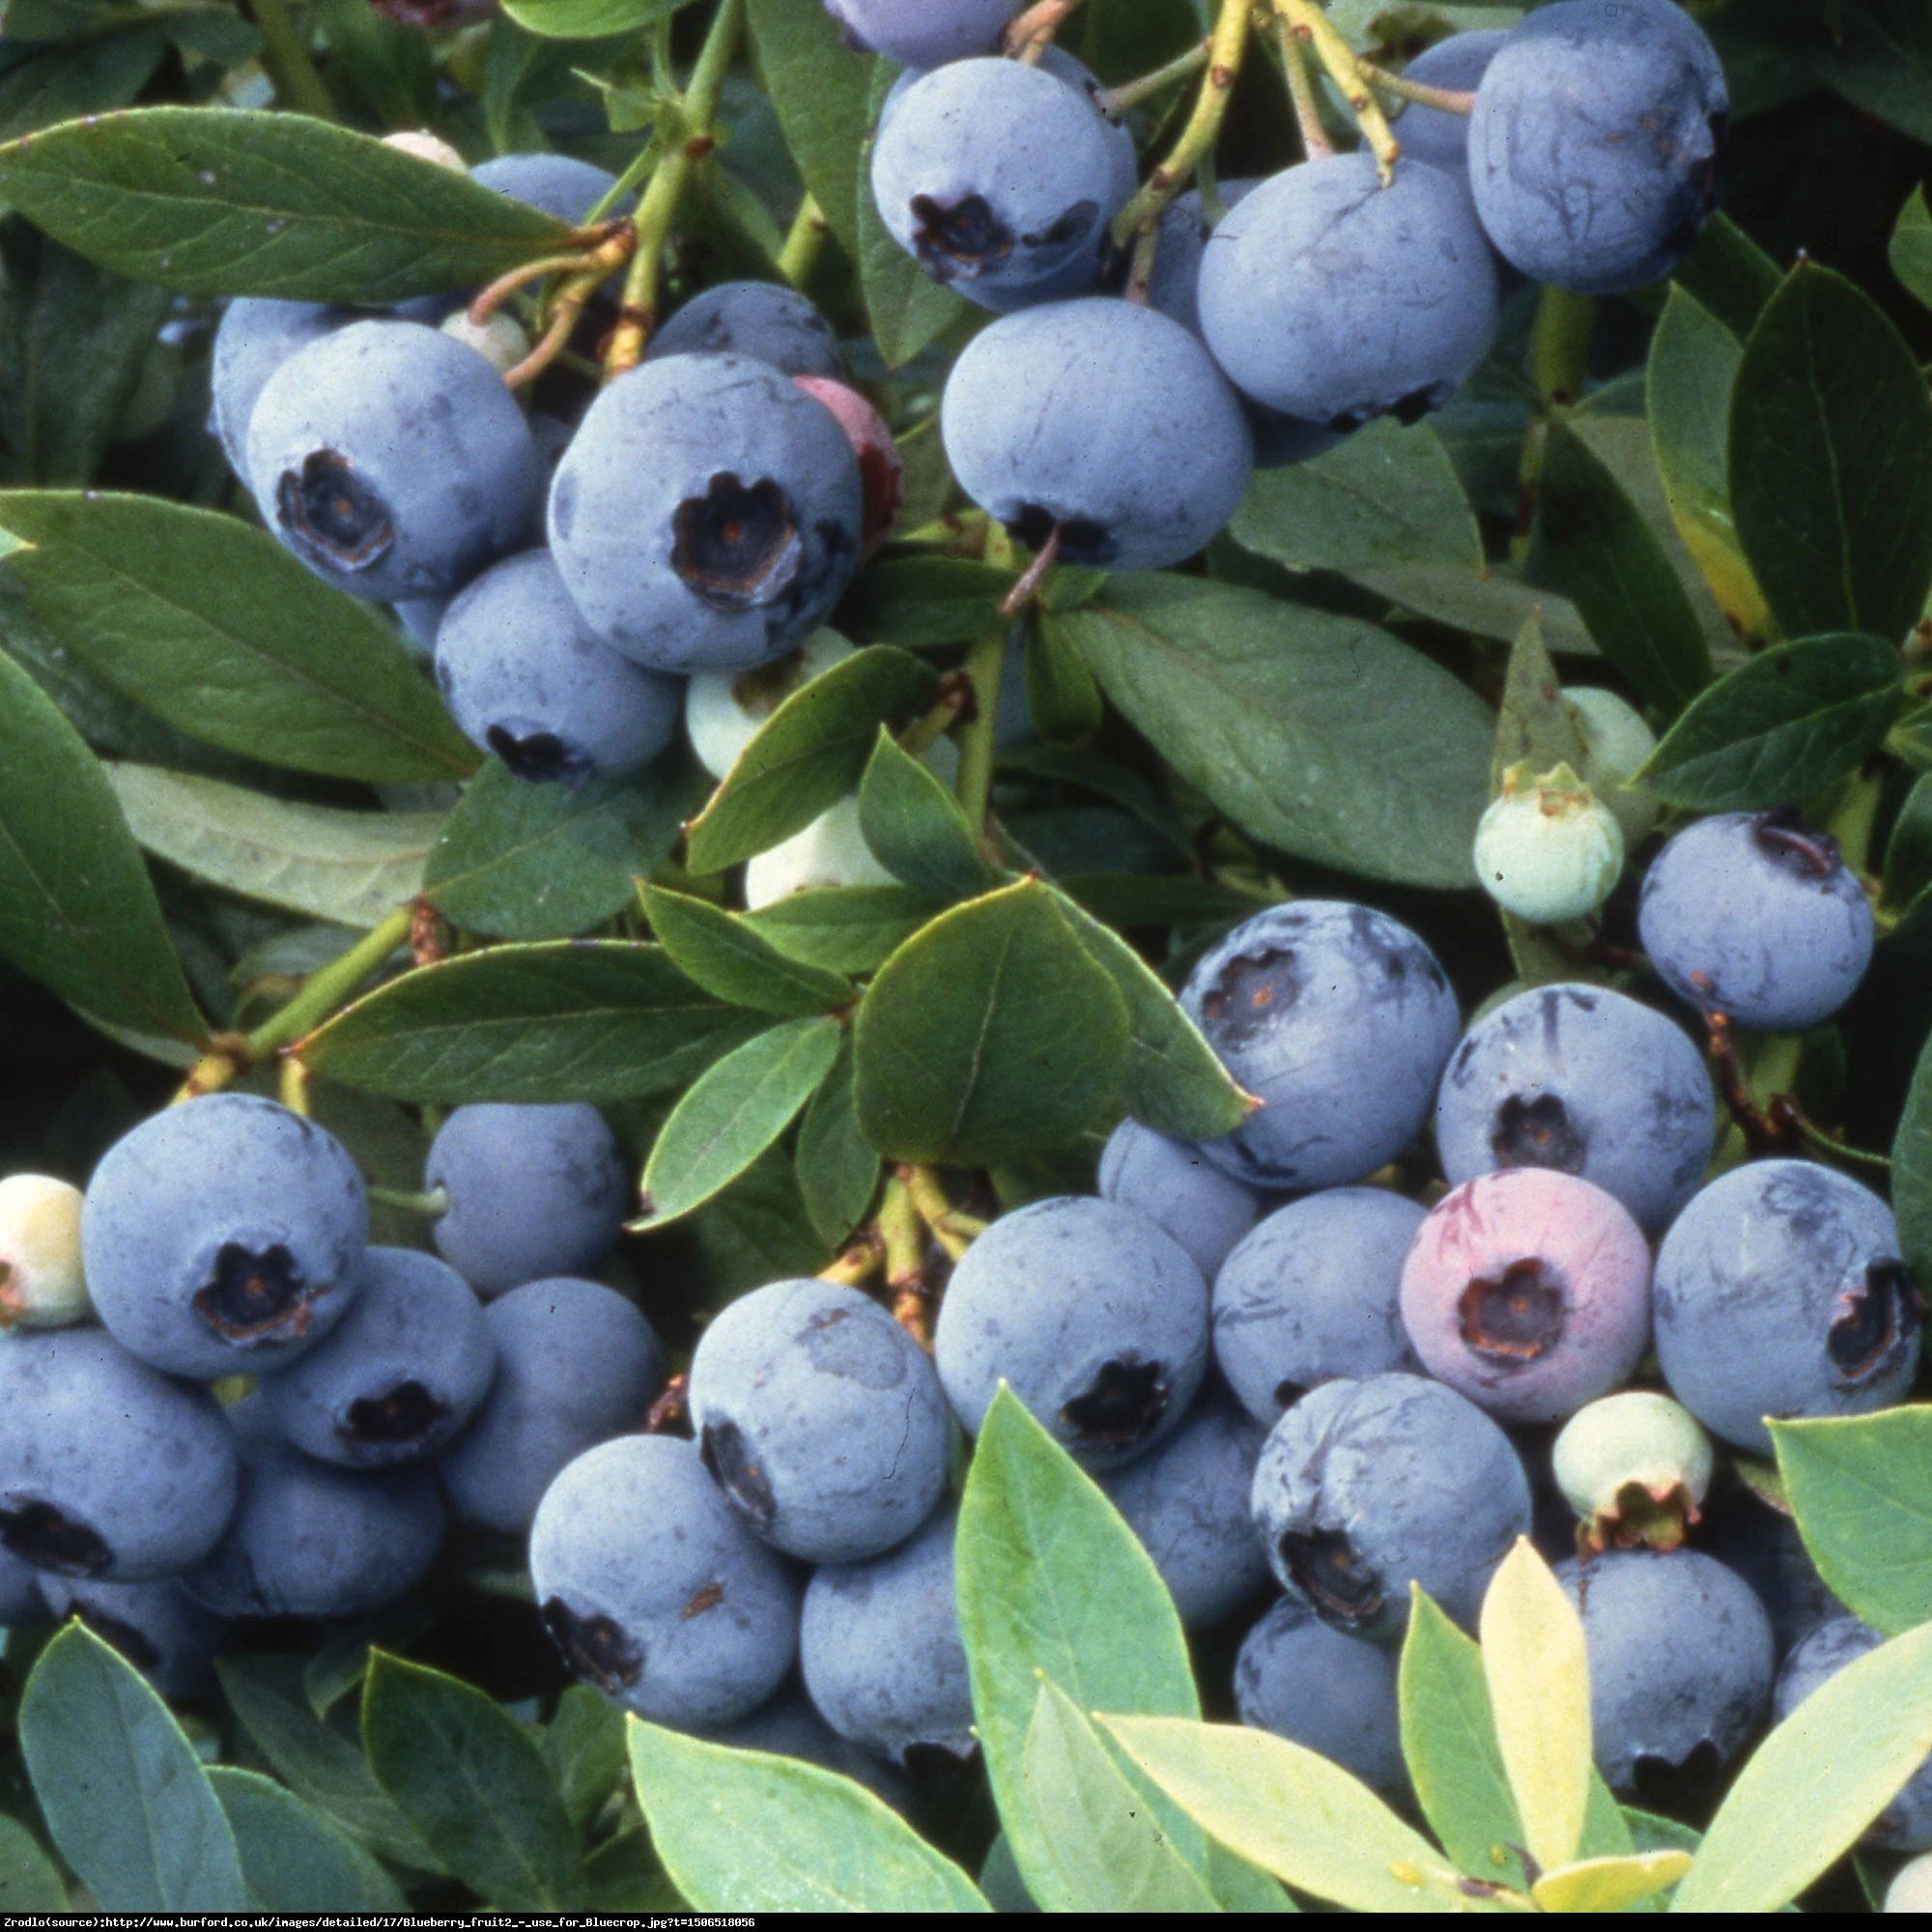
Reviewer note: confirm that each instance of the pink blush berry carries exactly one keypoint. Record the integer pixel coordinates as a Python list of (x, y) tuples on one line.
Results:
[(871, 441), (1528, 1291)]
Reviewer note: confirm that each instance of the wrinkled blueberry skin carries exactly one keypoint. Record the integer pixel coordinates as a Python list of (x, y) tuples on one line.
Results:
[(1585, 1081), (1335, 300), (1175, 1186), (1105, 419), (1779, 1292), (1681, 1665), (225, 1236), (1905, 1825), (654, 1591), (658, 447), (1095, 1317), (1339, 1021), (559, 185), (923, 33), (1595, 142), (391, 461), (256, 336), (107, 1469), (1187, 1501), (1324, 1690), (533, 1191), (880, 1649), (1433, 134), (821, 1419), (764, 321), (1764, 1548), (158, 1627), (576, 1365), (1528, 1291), (407, 1368), (524, 679), (1751, 916), (1366, 1486), (1312, 1294)]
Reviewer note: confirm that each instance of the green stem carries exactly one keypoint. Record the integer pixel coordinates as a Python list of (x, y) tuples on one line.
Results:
[(1450, 99), (1308, 22), (289, 65), (1131, 93), (325, 989), (1315, 141), (1852, 824), (804, 244), (1559, 348), (985, 665), (429, 1205)]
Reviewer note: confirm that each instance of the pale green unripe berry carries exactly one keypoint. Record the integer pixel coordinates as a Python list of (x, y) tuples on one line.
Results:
[(1635, 1468), (1546, 849), (427, 147), (41, 1281), (725, 710), (502, 341), (1616, 744), (1910, 1888)]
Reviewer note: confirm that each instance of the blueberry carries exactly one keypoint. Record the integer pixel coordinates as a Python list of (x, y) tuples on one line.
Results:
[(407, 1369), (392, 461), (881, 1653), (788, 1726), (1095, 1317), (653, 1590), (20, 1595), (1597, 142), (1103, 421), (1585, 1081), (256, 336), (576, 1365), (881, 468), (1336, 300), (419, 618), (1181, 1191), (1312, 1294), (923, 33), (724, 711), (1366, 1486), (223, 1236), (1762, 1545), (532, 1191), (1617, 744), (1434, 134), (1779, 1292), (765, 320), (708, 514), (1187, 1501), (821, 1419), (1548, 848), (559, 185), (1325, 1690), (1757, 917), (41, 1283), (1174, 288), (1339, 1021), (1681, 1667), (524, 679), (158, 1627)]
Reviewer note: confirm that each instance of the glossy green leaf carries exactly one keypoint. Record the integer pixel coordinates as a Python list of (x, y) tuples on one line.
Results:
[(1609, 1884), (1912, 1171), (837, 1166), (924, 602), (756, 1230), (1726, 273), (1911, 251), (1908, 848), (822, 93), (293, 1859), (1063, 700), (917, 830), (587, 19), (844, 928), (583, 1743), (728, 957), (1490, 602), (28, 1879)]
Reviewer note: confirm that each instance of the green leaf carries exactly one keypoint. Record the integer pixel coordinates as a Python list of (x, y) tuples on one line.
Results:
[(837, 1166), (215, 628), (583, 1743), (842, 929), (989, 1036), (924, 602), (1320, 735), (292, 1859), (742, 1832), (1910, 250), (1490, 602), (1534, 726), (1782, 1823), (1908, 848), (756, 1230), (1386, 496), (587, 19), (733, 1112), (42, 82), (583, 1020), (1594, 545), (822, 94), (350, 868), (77, 910), (1609, 1884), (28, 1879), (1831, 461), (1063, 700), (216, 201), (1912, 1171), (808, 755), (728, 957), (124, 1797), (917, 830), (467, 1776), (1784, 723), (1729, 273)]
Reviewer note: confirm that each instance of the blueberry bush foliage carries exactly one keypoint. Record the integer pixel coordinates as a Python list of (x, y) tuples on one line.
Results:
[(889, 948)]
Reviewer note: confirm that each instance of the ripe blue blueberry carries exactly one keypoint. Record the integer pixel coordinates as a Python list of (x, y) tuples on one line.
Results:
[(1333, 299), (1325, 1690), (159, 1629), (923, 33), (1179, 1190), (1763, 1546), (256, 336), (223, 1236), (1597, 142), (576, 1365), (1312, 1294), (1434, 134), (1681, 1667), (821, 1419), (1779, 1292), (20, 1595), (708, 515), (653, 1590), (560, 184), (1102, 421), (407, 1368), (1586, 1081), (525, 679), (532, 1191), (1366, 1486), (1756, 916), (1339, 1021), (1095, 1318), (880, 1649), (765, 320), (391, 461)]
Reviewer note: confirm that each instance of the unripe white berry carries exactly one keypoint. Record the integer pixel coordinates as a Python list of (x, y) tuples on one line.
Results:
[(1911, 1887), (1547, 850), (502, 341), (1635, 1466), (1617, 743), (427, 147), (725, 710), (41, 1285)]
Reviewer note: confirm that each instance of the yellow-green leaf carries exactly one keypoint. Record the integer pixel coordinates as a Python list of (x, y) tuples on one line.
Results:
[(1609, 1884)]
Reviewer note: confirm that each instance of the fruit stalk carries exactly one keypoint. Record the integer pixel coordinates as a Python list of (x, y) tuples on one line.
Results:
[(1308, 22), (1315, 141)]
